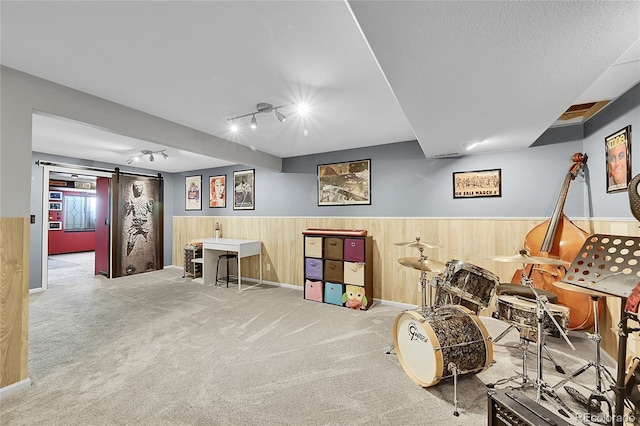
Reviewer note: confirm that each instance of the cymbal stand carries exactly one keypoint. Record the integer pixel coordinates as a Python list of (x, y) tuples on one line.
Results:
[(423, 286), (541, 386), (598, 395)]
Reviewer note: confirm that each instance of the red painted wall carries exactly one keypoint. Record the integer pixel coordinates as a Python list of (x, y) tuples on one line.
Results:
[(61, 241)]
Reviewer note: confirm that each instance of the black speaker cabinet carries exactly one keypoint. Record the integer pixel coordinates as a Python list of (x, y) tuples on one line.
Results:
[(512, 407)]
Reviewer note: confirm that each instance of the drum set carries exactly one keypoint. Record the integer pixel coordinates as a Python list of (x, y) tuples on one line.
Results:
[(445, 338)]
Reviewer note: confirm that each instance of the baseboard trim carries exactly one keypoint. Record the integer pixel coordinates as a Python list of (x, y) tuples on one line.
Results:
[(14, 387), (36, 290)]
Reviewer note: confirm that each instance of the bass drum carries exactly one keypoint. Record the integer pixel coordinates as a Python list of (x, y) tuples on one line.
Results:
[(427, 347)]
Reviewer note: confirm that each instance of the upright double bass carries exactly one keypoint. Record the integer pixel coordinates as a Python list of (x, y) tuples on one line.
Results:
[(560, 238)]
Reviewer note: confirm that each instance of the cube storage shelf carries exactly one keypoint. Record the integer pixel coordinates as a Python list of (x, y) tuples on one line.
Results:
[(338, 267)]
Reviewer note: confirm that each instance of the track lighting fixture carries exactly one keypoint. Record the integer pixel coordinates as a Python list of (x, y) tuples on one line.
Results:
[(260, 108), (149, 153)]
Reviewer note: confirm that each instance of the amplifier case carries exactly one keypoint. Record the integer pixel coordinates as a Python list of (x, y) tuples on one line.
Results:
[(509, 407)]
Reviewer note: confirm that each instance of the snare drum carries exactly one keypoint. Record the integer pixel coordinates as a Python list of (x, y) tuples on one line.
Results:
[(428, 347), (470, 282), (521, 313)]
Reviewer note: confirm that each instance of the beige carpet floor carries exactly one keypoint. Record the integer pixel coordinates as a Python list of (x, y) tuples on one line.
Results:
[(158, 349)]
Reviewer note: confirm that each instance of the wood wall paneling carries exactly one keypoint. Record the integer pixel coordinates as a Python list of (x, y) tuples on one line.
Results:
[(472, 241), (14, 299)]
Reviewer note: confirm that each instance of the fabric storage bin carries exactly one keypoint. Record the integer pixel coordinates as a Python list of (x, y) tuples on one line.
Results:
[(313, 247), (333, 270), (354, 249), (333, 248), (333, 293), (313, 290), (354, 273), (313, 268)]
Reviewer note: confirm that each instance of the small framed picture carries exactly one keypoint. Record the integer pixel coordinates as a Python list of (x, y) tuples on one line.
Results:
[(55, 195), (55, 205), (218, 191), (55, 226), (243, 190), (193, 193), (477, 183), (618, 160)]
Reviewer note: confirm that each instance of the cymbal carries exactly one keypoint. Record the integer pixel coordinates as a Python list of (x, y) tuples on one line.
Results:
[(532, 260), (428, 265), (416, 244)]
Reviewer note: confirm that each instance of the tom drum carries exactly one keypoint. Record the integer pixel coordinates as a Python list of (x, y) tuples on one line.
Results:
[(470, 282)]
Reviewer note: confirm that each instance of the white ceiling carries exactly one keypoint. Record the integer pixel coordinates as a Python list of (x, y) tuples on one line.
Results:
[(443, 73)]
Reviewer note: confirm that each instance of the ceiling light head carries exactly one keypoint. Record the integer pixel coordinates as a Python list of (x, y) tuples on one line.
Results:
[(164, 154), (254, 122), (233, 126), (151, 157), (280, 116)]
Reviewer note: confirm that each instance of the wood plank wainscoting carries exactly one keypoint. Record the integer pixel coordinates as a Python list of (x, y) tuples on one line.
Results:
[(14, 300), (469, 240)]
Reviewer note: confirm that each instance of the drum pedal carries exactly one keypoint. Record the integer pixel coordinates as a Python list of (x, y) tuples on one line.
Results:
[(592, 405)]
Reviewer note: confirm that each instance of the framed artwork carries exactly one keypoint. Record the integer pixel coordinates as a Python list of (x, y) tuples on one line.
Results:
[(55, 225), (193, 191), (55, 205), (55, 195), (243, 190), (218, 191), (477, 183), (342, 184), (618, 160)]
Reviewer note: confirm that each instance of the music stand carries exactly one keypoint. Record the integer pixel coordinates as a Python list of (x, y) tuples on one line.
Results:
[(609, 264)]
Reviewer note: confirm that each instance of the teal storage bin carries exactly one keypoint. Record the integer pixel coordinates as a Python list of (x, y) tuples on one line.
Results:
[(333, 293)]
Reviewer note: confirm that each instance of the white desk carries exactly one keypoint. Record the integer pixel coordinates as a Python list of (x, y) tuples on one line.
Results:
[(213, 247)]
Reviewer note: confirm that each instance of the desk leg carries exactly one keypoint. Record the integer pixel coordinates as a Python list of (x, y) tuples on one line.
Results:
[(239, 273)]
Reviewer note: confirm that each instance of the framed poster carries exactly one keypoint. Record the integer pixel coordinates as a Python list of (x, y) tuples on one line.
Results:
[(618, 160), (343, 184), (55, 225), (193, 191), (217, 191), (55, 205), (55, 195), (477, 183), (243, 190)]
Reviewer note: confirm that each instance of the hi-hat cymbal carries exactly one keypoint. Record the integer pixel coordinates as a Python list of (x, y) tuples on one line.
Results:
[(530, 260), (416, 244), (427, 265)]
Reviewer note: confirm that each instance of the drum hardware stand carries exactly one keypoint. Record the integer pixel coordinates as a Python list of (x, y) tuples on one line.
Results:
[(559, 369), (524, 346), (454, 369), (598, 396)]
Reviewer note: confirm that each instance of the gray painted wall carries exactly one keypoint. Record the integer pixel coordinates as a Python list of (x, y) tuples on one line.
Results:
[(406, 184), (623, 112)]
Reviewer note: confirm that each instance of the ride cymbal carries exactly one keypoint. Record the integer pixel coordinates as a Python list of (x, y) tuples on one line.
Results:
[(427, 265), (531, 260)]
